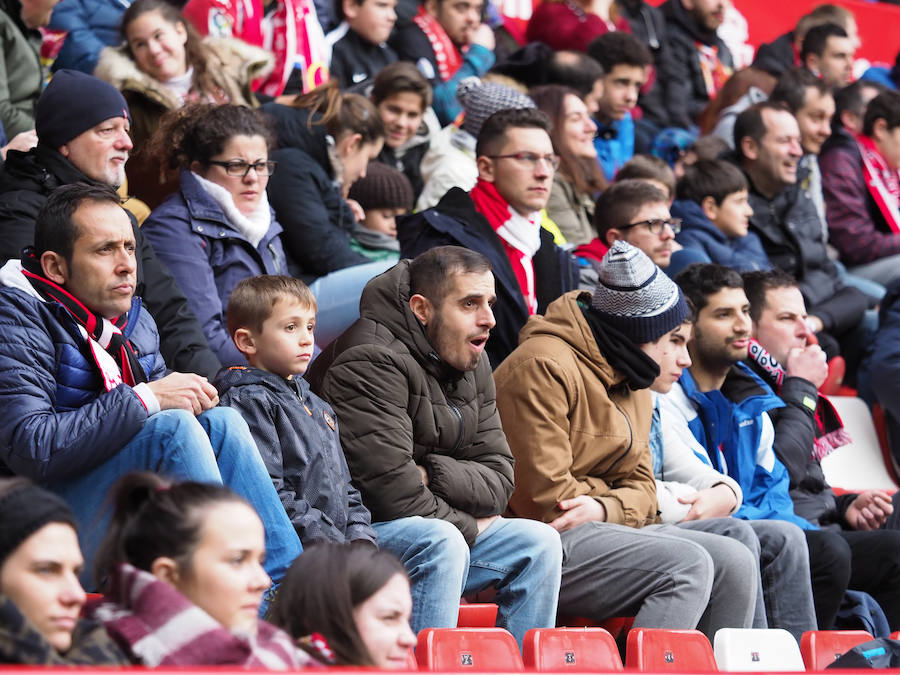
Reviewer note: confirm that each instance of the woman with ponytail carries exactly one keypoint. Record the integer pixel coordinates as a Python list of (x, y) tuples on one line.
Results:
[(326, 139), (182, 571)]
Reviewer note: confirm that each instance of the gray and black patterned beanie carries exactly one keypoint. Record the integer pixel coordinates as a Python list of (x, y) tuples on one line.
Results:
[(635, 297), (480, 100)]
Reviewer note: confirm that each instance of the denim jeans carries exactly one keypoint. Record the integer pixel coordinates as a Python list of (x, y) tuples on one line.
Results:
[(215, 447), (337, 298), (520, 558)]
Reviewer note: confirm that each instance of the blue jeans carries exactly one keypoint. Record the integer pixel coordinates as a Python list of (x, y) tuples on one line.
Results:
[(215, 447), (521, 558), (337, 298)]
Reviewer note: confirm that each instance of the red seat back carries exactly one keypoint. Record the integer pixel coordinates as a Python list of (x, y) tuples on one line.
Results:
[(661, 650), (473, 649), (820, 648), (477, 615), (578, 649)]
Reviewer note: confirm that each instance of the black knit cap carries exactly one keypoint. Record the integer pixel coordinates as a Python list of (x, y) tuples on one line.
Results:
[(26, 509), (71, 104), (383, 188)]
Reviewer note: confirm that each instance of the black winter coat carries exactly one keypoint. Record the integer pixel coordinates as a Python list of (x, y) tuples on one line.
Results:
[(454, 221), (27, 179), (307, 199), (401, 407), (297, 436)]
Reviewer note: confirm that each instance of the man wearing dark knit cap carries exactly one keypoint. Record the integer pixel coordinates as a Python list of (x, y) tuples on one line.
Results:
[(575, 404), (82, 125)]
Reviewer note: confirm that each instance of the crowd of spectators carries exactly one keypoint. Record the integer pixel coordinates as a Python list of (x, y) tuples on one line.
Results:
[(330, 313)]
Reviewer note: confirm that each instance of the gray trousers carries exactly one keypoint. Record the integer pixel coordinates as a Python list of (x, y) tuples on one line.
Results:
[(784, 596), (882, 271)]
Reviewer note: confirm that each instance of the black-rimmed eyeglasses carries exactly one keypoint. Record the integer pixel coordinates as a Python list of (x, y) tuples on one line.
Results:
[(236, 168), (657, 225)]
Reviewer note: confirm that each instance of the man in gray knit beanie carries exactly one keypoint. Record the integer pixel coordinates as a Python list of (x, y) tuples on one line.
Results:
[(575, 403)]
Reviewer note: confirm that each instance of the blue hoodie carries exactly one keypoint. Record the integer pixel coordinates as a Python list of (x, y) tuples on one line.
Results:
[(744, 254)]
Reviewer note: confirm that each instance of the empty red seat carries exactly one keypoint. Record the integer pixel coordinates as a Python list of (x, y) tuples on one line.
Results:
[(659, 650), (820, 648), (477, 615), (579, 649), (475, 649)]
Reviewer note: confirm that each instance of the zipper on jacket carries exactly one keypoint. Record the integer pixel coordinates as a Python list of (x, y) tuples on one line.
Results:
[(276, 259), (630, 436), (459, 419)]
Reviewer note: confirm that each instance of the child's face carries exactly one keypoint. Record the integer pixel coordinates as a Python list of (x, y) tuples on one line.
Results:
[(284, 346), (373, 19), (401, 114), (732, 216), (383, 220)]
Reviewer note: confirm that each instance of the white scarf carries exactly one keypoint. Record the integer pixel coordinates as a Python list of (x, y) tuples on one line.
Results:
[(253, 226)]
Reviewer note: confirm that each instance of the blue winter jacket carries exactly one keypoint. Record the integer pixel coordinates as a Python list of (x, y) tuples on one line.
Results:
[(744, 254), (208, 257), (58, 421), (730, 425), (614, 143), (90, 25)]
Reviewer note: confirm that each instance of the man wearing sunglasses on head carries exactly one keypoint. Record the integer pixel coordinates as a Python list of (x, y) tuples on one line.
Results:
[(501, 218)]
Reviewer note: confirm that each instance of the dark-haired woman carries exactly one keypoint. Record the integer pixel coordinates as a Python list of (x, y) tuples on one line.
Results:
[(162, 65), (182, 571), (354, 596), (571, 203), (326, 139), (218, 228), (40, 595)]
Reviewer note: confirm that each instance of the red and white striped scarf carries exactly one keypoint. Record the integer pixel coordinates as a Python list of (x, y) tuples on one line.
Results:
[(448, 57), (883, 181)]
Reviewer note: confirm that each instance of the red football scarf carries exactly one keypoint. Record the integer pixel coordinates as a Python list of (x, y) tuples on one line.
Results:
[(519, 235), (448, 57), (715, 73), (882, 181), (108, 334)]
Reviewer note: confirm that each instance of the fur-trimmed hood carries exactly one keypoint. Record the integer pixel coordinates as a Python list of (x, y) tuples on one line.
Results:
[(234, 64)]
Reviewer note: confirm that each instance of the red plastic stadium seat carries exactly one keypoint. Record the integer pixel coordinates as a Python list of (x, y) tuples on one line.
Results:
[(895, 635), (614, 626), (411, 663), (477, 615), (473, 649), (837, 367), (659, 650), (577, 649), (820, 648)]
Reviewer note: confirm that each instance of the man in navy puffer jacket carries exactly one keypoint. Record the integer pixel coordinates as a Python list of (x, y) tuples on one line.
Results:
[(84, 390)]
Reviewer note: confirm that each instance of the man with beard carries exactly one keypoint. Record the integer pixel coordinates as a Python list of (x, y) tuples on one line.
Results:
[(727, 407), (768, 148), (412, 386)]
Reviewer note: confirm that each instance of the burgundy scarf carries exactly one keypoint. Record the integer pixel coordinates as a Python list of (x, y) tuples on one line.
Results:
[(830, 432), (108, 334), (883, 182)]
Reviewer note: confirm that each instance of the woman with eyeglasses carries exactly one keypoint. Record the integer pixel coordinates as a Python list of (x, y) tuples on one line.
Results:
[(218, 228), (579, 177)]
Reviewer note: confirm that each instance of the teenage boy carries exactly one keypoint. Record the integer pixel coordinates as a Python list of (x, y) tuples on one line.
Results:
[(575, 408), (359, 44), (624, 60), (712, 203), (271, 320)]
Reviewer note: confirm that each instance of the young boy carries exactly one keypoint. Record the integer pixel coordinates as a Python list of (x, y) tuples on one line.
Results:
[(359, 44), (271, 320), (384, 194), (715, 214)]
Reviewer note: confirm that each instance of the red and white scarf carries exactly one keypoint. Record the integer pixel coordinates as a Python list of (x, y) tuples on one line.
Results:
[(883, 181), (520, 235), (715, 73), (448, 57)]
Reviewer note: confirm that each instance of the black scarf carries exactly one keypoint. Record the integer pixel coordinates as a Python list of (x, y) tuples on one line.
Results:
[(117, 345), (622, 354)]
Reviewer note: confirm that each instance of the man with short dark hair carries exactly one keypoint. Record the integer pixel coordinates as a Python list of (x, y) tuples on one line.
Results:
[(862, 192), (84, 390), (827, 53), (698, 62), (448, 42), (82, 125), (637, 212), (624, 60), (768, 147), (501, 217), (413, 389)]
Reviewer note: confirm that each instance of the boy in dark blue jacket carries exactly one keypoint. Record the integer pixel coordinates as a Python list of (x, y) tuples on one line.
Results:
[(271, 319), (711, 200)]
